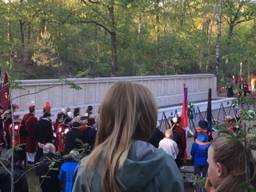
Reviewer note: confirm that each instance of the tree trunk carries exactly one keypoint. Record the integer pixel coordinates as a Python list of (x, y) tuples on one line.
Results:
[(157, 30), (113, 39), (114, 53), (22, 38), (204, 30), (209, 43), (29, 33), (218, 40)]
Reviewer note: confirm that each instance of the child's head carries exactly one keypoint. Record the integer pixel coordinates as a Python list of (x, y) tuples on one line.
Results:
[(227, 164), (203, 124), (168, 133)]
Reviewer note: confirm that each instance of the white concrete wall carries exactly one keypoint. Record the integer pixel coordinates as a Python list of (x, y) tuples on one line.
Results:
[(168, 90)]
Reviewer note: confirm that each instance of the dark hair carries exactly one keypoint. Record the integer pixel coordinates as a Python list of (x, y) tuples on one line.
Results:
[(89, 108), (47, 114), (75, 125), (203, 124), (76, 111), (32, 109)]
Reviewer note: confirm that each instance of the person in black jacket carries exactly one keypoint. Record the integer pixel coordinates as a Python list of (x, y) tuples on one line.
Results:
[(89, 136), (47, 169), (43, 133), (72, 138), (20, 179)]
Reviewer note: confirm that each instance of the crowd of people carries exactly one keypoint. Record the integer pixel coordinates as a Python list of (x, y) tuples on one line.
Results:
[(128, 152), (51, 147)]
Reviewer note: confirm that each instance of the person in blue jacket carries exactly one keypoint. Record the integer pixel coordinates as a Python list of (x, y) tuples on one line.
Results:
[(123, 160), (67, 171), (199, 153)]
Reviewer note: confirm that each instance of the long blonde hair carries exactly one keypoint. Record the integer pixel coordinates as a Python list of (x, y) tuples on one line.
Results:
[(127, 112), (237, 161)]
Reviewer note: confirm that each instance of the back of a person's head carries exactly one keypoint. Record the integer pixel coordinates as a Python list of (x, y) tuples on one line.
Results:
[(168, 133), (49, 148), (89, 108), (32, 108), (127, 112), (234, 157), (76, 111), (203, 124)]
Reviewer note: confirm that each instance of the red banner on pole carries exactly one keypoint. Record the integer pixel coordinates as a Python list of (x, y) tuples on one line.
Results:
[(5, 94), (184, 112)]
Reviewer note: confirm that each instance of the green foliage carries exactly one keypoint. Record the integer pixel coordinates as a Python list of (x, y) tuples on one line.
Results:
[(245, 132), (48, 39)]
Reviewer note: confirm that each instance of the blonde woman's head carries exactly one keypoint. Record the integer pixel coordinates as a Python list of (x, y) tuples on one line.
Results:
[(128, 112)]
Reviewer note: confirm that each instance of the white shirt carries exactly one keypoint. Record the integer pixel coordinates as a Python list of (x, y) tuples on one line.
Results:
[(170, 147)]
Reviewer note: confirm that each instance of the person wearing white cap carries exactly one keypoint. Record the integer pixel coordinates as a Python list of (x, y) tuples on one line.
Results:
[(47, 169)]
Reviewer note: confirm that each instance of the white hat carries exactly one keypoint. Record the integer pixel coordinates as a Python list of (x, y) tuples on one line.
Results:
[(49, 148), (175, 119)]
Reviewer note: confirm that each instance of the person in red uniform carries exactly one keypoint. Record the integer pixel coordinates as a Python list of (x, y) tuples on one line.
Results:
[(1, 130), (28, 123), (179, 136)]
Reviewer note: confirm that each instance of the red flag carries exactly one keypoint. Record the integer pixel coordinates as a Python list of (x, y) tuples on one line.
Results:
[(4, 93), (184, 112)]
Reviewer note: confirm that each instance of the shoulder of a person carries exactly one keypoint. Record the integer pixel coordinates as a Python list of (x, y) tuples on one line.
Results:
[(81, 169), (83, 161), (170, 171)]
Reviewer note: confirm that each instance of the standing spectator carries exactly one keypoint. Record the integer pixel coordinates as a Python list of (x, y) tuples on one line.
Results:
[(67, 171), (76, 115), (199, 153), (47, 171), (28, 124), (21, 184), (89, 110), (203, 128), (122, 160), (88, 135), (169, 145), (68, 116), (229, 166), (73, 138), (43, 132)]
